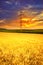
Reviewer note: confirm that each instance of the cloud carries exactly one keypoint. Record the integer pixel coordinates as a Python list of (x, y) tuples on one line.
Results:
[(1, 21), (33, 6), (35, 15), (27, 12), (39, 17), (8, 2)]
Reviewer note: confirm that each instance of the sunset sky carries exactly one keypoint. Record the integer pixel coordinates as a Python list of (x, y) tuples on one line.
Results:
[(29, 12)]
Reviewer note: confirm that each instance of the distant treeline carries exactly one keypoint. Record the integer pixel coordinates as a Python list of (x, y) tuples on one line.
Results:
[(37, 31)]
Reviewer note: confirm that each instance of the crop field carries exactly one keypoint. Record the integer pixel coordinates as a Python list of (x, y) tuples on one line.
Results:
[(21, 49)]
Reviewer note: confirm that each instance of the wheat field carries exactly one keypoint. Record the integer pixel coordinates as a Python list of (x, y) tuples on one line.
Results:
[(21, 49)]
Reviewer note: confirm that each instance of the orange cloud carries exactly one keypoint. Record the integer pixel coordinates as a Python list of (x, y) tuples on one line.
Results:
[(1, 21), (29, 20)]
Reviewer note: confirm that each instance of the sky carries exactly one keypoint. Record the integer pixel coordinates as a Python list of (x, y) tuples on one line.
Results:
[(30, 11)]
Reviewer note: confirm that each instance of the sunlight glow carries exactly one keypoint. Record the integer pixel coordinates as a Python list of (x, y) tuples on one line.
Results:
[(25, 19)]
